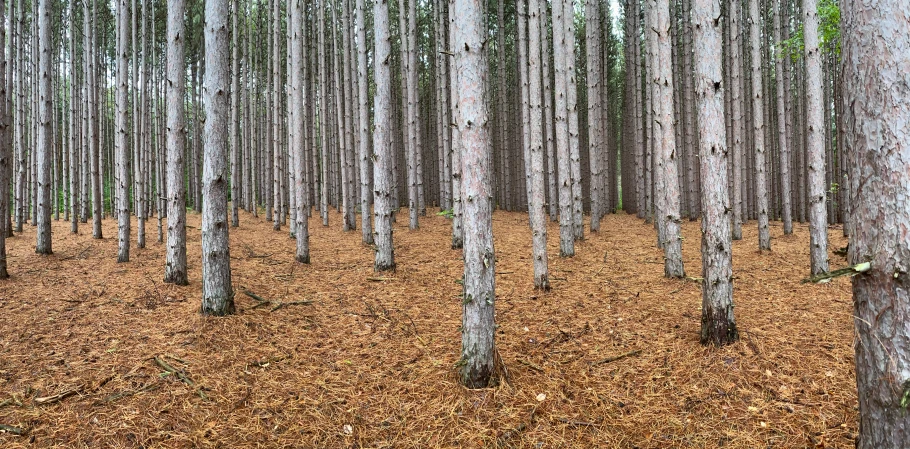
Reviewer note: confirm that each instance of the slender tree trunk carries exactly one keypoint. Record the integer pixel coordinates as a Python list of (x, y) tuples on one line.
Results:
[(758, 125), (123, 142), (6, 141), (298, 107), (363, 125), (537, 193), (175, 262), (876, 119), (478, 348), (782, 136), (717, 323), (736, 98), (323, 115), (818, 220), (553, 197), (673, 263), (382, 139), (595, 134), (235, 115), (457, 215), (566, 229), (572, 111), (45, 139)]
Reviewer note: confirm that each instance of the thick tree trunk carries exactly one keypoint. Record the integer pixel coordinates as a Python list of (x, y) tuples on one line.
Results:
[(217, 294), (595, 133), (876, 125), (478, 349), (382, 139), (572, 116), (6, 141), (815, 151), (553, 196), (175, 261), (666, 161), (122, 139), (717, 323), (566, 229), (457, 215)]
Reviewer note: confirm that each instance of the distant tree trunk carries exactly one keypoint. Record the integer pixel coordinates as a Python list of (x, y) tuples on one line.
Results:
[(350, 91), (736, 99), (641, 188), (815, 110), (537, 193), (298, 107), (363, 125), (595, 134), (323, 115), (123, 142), (572, 116), (382, 139), (140, 128), (73, 148), (217, 294), (235, 115), (553, 197), (6, 129), (566, 228), (478, 348), (717, 323), (175, 262), (666, 160), (276, 147), (782, 136), (758, 125), (876, 116), (45, 139), (457, 215), (414, 106)]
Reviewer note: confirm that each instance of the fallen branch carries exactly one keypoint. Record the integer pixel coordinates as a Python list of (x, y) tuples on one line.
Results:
[(848, 271), (378, 279), (292, 303), (576, 423), (531, 365), (267, 362), (616, 357), (12, 429), (170, 369), (58, 397), (124, 394), (255, 296)]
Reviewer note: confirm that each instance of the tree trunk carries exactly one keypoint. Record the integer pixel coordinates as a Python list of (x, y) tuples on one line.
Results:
[(6, 141), (875, 124), (782, 136), (217, 294), (758, 125), (175, 262), (363, 125), (382, 139), (235, 115), (299, 99), (572, 116), (566, 229), (123, 142), (818, 218), (537, 193), (457, 215), (736, 99), (717, 323), (44, 145), (595, 133), (478, 349)]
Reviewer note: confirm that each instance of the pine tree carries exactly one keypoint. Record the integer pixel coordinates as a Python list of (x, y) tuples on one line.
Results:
[(175, 270)]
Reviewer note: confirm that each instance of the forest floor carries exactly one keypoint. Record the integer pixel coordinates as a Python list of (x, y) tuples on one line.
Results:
[(99, 354)]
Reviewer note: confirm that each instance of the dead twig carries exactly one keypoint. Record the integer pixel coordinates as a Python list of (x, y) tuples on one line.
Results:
[(12, 429), (616, 357), (291, 303), (576, 423), (59, 396)]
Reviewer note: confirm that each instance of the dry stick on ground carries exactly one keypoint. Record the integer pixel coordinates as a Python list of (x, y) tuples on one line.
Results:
[(277, 305), (59, 396), (124, 394), (12, 429), (616, 357)]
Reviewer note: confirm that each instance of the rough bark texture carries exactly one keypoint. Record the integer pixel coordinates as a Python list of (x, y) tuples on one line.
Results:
[(595, 132), (666, 160), (298, 106), (783, 140), (876, 55), (122, 140), (566, 230), (478, 347), (44, 143), (6, 141), (457, 215), (217, 294), (175, 261), (363, 125), (572, 117), (537, 193), (717, 324), (815, 150), (758, 127), (382, 139), (235, 115), (736, 100)]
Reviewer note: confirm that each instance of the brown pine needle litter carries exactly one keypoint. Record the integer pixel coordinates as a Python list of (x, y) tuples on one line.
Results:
[(101, 354)]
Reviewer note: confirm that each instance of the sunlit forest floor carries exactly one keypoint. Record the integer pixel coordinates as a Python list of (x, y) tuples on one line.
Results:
[(99, 354)]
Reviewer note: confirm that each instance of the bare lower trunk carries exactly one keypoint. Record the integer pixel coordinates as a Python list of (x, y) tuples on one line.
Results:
[(122, 139), (175, 262), (44, 145), (537, 193), (363, 126), (672, 244), (758, 127), (382, 140), (875, 124), (736, 99), (298, 108), (566, 229), (815, 117)]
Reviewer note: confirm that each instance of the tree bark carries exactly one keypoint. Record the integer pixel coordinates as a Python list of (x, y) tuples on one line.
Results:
[(122, 140), (537, 193), (566, 228), (717, 322), (736, 99), (818, 219), (478, 349), (758, 125), (382, 139), (299, 99), (363, 125), (44, 145), (175, 261), (595, 133), (876, 56)]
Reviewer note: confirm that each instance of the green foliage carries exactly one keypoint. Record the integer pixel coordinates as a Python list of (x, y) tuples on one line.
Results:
[(448, 213), (828, 32)]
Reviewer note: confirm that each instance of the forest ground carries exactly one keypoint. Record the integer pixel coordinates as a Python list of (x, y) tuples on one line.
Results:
[(369, 362)]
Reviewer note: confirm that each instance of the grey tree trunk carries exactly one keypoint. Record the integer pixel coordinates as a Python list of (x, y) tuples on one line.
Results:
[(553, 197), (44, 143), (572, 116), (736, 99), (276, 148), (122, 140), (382, 139), (6, 141), (94, 117), (595, 134), (566, 228), (457, 215), (876, 116), (815, 151), (323, 115), (235, 115), (414, 106), (299, 99), (758, 127), (363, 125), (537, 193), (717, 323), (782, 136), (478, 348), (175, 261), (217, 294), (666, 161)]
